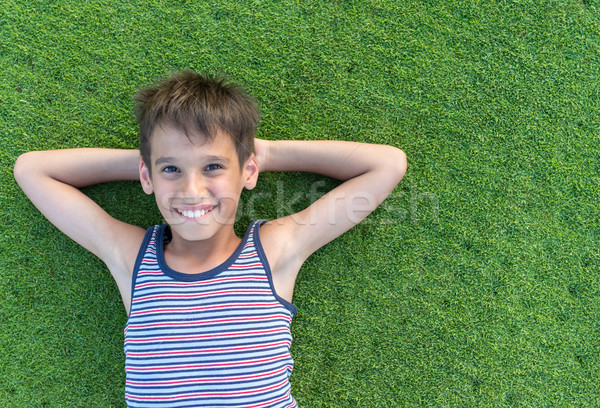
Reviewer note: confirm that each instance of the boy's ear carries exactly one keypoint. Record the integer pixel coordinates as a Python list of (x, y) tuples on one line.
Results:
[(145, 178), (250, 172)]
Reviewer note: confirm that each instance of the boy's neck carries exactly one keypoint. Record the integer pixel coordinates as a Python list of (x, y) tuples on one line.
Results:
[(194, 257)]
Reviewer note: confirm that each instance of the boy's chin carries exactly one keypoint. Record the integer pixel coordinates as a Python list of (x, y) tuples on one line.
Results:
[(198, 230)]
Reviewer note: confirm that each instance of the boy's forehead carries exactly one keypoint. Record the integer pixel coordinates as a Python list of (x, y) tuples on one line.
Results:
[(170, 134), (168, 137)]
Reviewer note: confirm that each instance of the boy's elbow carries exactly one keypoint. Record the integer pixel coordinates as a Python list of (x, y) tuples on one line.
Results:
[(403, 163), (20, 167), (397, 162), (23, 166)]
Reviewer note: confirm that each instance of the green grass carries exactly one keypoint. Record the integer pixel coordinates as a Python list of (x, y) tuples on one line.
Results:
[(476, 284)]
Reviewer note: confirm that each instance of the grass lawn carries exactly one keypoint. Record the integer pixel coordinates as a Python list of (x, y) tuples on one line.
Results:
[(476, 284)]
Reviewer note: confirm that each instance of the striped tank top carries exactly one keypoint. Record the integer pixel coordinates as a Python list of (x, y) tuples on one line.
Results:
[(215, 339)]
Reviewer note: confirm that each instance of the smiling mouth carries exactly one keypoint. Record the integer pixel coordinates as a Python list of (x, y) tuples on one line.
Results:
[(193, 214)]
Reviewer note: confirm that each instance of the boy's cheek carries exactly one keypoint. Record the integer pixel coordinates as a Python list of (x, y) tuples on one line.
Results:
[(163, 200), (226, 212)]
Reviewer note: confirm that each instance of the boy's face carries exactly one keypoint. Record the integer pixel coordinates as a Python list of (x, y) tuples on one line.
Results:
[(197, 184)]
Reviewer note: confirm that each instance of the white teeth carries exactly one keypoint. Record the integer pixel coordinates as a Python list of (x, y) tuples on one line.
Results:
[(193, 214)]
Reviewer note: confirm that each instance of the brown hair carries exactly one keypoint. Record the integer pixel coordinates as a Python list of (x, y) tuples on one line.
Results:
[(194, 103)]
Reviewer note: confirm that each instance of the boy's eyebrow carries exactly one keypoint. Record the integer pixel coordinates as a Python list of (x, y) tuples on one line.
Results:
[(212, 158), (163, 160), (221, 159)]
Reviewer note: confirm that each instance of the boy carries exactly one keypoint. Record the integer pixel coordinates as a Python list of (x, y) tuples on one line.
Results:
[(209, 313)]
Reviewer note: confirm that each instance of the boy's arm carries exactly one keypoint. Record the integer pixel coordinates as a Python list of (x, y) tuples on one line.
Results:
[(51, 180), (369, 173)]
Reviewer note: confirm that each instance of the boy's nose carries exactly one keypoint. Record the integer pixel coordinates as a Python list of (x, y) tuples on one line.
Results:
[(194, 187)]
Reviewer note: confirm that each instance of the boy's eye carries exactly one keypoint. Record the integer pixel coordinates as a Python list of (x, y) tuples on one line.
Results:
[(212, 167), (170, 169)]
